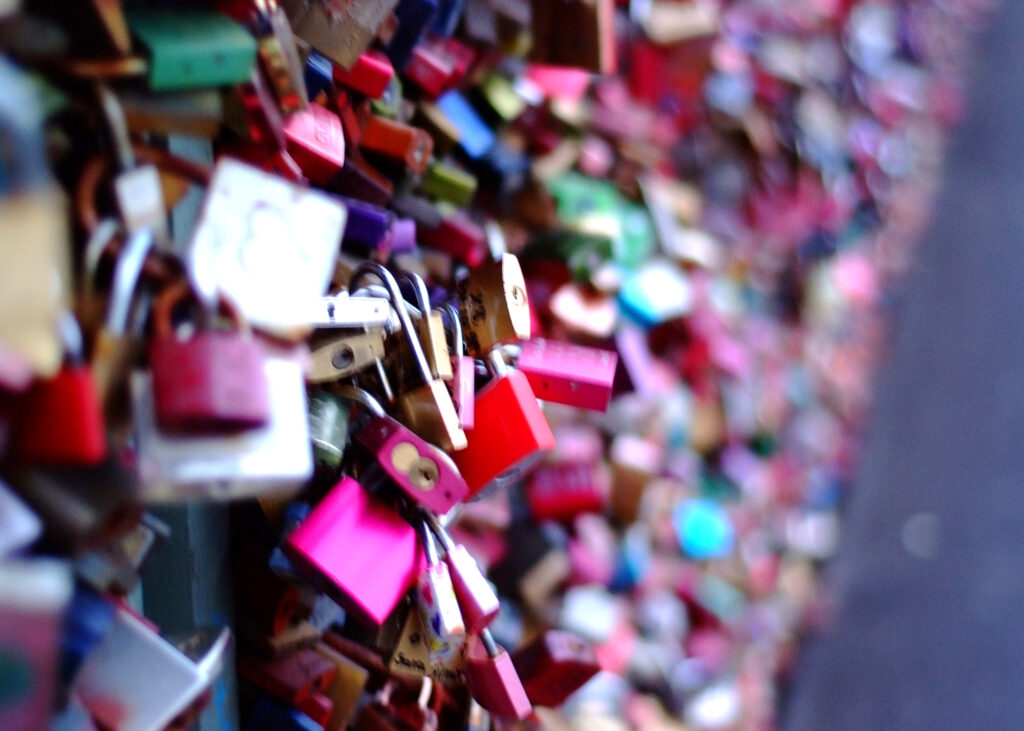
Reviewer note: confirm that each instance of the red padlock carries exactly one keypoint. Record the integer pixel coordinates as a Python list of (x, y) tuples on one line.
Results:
[(210, 383), (409, 145), (563, 491), (316, 141), (60, 420), (554, 666), (493, 680), (292, 678), (567, 373), (510, 432)]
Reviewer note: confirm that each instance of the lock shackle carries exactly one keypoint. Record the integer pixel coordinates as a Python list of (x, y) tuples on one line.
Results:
[(493, 651), (71, 337), (117, 125), (429, 547), (367, 268), (419, 290), (453, 329), (130, 263), (361, 397), (165, 303), (431, 521), (496, 362), (97, 169)]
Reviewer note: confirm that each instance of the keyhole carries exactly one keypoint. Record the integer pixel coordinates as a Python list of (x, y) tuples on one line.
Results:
[(343, 357)]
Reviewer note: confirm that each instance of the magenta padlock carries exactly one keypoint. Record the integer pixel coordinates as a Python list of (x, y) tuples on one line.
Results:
[(493, 681), (439, 609), (477, 600), (359, 550), (463, 383), (567, 373), (210, 383), (419, 469)]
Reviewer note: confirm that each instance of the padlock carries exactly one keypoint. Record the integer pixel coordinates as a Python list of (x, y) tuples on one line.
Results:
[(409, 145), (368, 583), (367, 225), (383, 713), (448, 183), (493, 681), (339, 31), (116, 681), (316, 141), (474, 136), (137, 188), (252, 113), (190, 48), (19, 526), (554, 666), (477, 600), (568, 373), (115, 566), (427, 409), (370, 74), (420, 470), (34, 597), (493, 305), (61, 418), (463, 382), (256, 462), (265, 243), (346, 689), (435, 600), (328, 428), (411, 656), (280, 61), (336, 357), (429, 329), (290, 678), (80, 506), (563, 491), (456, 235), (510, 433), (209, 383)]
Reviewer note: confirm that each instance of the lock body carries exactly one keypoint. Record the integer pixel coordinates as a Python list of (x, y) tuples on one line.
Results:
[(316, 142), (210, 383), (567, 373), (554, 666), (439, 613), (359, 549), (494, 683), (510, 432), (420, 470), (563, 491), (61, 419)]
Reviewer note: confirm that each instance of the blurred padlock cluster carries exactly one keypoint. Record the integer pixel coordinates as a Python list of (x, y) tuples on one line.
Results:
[(442, 364)]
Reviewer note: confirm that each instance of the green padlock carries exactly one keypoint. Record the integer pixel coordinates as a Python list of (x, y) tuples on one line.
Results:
[(448, 183), (328, 427), (501, 95), (192, 48)]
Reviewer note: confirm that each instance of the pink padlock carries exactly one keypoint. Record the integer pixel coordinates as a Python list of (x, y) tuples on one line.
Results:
[(359, 550), (568, 373), (493, 681)]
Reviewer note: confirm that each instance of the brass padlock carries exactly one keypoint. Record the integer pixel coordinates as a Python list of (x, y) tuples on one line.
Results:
[(427, 408), (342, 356), (493, 305)]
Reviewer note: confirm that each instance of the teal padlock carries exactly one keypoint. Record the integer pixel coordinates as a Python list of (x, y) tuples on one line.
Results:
[(192, 48)]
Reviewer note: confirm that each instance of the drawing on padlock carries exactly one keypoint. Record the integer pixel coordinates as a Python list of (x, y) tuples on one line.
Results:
[(493, 680), (437, 604), (427, 408), (477, 599), (493, 305), (419, 469), (211, 382)]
